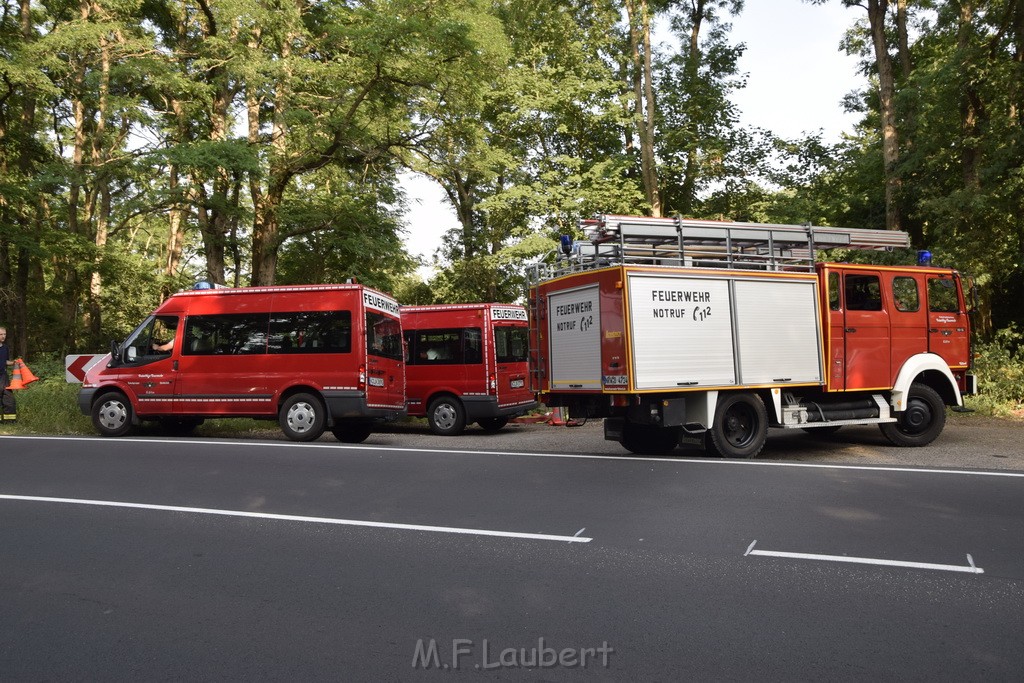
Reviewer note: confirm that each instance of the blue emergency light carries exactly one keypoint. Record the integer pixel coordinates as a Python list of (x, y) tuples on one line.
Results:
[(202, 285), (566, 244), (924, 258)]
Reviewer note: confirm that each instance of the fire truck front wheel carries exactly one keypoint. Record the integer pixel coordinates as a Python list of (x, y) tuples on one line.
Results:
[(921, 422), (740, 427), (302, 417), (446, 416)]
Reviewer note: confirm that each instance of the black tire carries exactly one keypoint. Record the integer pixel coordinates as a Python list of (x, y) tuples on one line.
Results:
[(351, 433), (921, 422), (112, 414), (822, 431), (446, 416), (302, 417), (650, 439), (179, 426), (492, 425), (740, 427)]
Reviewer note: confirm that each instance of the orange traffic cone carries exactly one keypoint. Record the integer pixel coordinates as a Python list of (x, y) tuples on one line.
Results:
[(27, 376), (16, 382), (556, 418)]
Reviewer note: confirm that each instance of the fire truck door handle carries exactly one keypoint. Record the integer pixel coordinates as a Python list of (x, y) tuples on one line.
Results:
[(174, 365), (851, 329)]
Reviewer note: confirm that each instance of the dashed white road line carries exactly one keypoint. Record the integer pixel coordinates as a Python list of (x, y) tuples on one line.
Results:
[(969, 569), (301, 518)]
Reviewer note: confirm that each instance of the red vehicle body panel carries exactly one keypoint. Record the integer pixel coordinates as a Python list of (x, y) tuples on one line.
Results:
[(474, 352)]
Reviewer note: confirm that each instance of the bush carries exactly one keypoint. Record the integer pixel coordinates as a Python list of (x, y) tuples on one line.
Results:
[(50, 406), (999, 365)]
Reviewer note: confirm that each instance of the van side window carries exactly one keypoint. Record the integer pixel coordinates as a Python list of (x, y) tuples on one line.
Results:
[(511, 344), (942, 296), (229, 334), (863, 293), (310, 332), (904, 293), (453, 346)]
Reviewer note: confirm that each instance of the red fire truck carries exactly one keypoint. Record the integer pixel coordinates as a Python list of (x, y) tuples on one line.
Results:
[(467, 363), (669, 327), (313, 357)]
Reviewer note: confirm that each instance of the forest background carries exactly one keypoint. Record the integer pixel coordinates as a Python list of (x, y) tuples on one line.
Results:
[(147, 144)]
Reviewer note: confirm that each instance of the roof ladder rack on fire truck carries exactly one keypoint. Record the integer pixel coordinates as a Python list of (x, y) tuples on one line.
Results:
[(642, 240)]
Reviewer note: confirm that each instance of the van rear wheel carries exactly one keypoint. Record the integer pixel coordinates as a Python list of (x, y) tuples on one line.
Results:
[(302, 417), (351, 433), (112, 414), (492, 425), (446, 416), (641, 439)]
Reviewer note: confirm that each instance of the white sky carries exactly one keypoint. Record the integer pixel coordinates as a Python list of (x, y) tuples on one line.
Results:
[(797, 79)]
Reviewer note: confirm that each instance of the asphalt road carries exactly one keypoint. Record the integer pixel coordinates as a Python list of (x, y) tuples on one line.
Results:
[(270, 560)]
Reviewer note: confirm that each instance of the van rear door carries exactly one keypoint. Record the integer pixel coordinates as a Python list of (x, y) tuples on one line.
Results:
[(511, 351), (385, 357)]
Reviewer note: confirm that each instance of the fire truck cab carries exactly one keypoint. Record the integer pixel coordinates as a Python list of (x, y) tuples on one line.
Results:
[(314, 357), (467, 363), (670, 327)]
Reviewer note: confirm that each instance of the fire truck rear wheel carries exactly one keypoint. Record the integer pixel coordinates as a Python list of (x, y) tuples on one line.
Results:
[(643, 439), (112, 414), (351, 433), (740, 427), (446, 416), (492, 425), (921, 422), (302, 417)]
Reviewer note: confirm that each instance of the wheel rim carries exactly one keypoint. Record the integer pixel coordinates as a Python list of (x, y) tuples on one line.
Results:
[(917, 417), (445, 416), (301, 417), (113, 415), (740, 425)]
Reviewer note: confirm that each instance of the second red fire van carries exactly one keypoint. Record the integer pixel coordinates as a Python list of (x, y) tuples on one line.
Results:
[(467, 363)]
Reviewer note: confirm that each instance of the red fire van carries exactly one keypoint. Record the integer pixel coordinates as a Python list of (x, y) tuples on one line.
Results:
[(467, 363), (314, 357)]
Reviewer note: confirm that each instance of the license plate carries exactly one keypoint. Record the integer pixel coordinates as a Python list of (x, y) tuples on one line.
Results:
[(376, 381), (518, 383)]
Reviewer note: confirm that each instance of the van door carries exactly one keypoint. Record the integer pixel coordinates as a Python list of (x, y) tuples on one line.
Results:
[(224, 366), (149, 364), (385, 369), (511, 349), (947, 322)]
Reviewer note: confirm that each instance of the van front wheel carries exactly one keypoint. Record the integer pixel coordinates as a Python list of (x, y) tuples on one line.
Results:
[(112, 414), (302, 417)]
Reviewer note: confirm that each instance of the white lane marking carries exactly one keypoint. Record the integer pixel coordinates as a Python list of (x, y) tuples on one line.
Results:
[(580, 531), (570, 456), (971, 569), (300, 518)]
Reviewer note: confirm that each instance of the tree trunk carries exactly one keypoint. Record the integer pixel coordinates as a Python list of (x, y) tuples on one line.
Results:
[(688, 189), (887, 90), (639, 16)]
